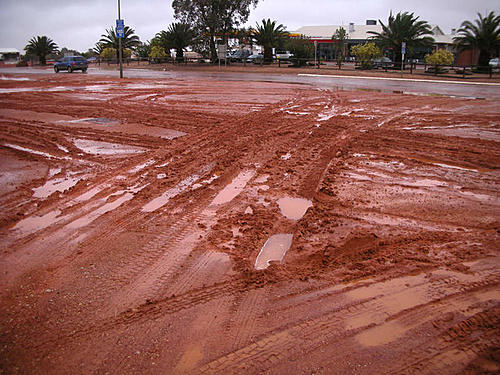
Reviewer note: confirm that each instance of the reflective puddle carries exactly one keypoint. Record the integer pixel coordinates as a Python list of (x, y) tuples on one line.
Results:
[(89, 218), (274, 250), (58, 184), (163, 199), (234, 188), (116, 126), (35, 152), (105, 148), (35, 223), (294, 208), (95, 120)]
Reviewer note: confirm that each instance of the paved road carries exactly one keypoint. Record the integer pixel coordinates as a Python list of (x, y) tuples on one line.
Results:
[(400, 85)]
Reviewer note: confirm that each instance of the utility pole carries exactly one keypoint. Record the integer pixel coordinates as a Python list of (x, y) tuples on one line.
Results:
[(119, 34)]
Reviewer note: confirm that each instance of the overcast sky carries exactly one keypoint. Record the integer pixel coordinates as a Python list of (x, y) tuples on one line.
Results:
[(78, 24)]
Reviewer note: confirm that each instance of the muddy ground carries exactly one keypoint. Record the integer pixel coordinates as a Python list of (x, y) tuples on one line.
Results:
[(134, 213)]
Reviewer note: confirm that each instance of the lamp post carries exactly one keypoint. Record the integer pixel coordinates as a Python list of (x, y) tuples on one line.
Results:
[(119, 43)]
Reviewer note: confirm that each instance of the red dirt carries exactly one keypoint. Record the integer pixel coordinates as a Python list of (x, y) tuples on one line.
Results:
[(394, 268)]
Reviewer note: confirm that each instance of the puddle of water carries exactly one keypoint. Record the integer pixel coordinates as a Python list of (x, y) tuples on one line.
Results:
[(262, 179), (205, 182), (381, 335), (294, 208), (94, 120), (117, 126), (54, 171), (25, 149), (35, 223), (274, 249), (140, 167), (4, 78), (297, 113), (105, 148), (163, 165), (62, 148), (87, 195), (89, 218), (455, 167), (234, 188), (143, 97), (327, 115), (163, 199), (58, 184)]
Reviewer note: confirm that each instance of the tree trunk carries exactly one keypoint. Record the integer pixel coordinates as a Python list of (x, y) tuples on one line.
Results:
[(268, 54), (179, 54), (213, 50), (43, 61), (484, 58)]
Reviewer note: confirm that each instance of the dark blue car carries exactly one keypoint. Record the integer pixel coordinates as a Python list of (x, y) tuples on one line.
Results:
[(71, 63)]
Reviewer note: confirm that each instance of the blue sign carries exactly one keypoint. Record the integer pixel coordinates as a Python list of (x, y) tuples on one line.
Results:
[(403, 48), (120, 28)]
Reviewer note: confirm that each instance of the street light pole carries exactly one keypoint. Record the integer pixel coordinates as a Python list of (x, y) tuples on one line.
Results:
[(120, 45)]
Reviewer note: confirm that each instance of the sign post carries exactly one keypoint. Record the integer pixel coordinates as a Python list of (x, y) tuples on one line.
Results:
[(403, 53), (120, 33), (221, 52)]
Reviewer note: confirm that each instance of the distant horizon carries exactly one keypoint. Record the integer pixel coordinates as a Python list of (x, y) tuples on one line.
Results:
[(84, 21)]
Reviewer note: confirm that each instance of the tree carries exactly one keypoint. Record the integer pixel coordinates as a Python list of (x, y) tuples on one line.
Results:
[(41, 46), (162, 40), (340, 36), (269, 35), (439, 57), (484, 35), (301, 48), (157, 53), (143, 50), (99, 47), (108, 53), (404, 27), (179, 36), (67, 52), (129, 40), (365, 53), (213, 18)]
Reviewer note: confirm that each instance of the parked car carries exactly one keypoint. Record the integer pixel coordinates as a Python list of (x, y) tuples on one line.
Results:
[(495, 63), (239, 55), (283, 55), (255, 58), (381, 62), (71, 63)]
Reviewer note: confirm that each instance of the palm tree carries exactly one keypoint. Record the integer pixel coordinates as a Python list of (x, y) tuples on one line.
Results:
[(110, 40), (179, 36), (483, 35), (162, 40), (98, 48), (41, 46), (404, 27), (340, 36), (268, 35)]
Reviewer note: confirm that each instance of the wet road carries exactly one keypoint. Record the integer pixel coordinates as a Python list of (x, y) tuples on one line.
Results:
[(381, 84)]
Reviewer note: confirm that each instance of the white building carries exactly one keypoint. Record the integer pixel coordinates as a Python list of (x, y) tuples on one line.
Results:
[(359, 34), (9, 55)]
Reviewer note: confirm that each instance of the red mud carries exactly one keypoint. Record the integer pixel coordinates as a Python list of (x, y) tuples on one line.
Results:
[(393, 269)]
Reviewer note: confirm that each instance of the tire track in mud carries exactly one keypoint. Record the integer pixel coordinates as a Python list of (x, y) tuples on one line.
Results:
[(454, 350), (306, 336), (245, 320)]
